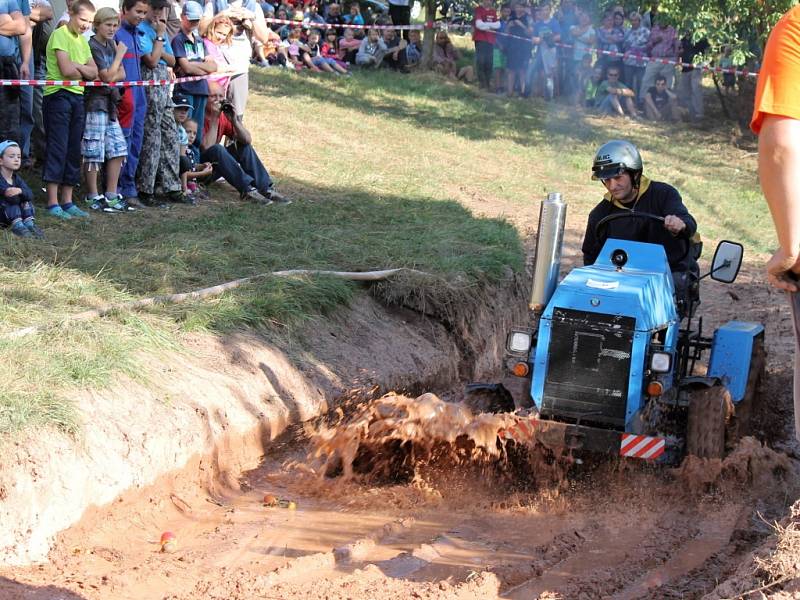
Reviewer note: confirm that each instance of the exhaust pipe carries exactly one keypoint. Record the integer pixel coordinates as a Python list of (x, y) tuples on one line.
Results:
[(549, 240)]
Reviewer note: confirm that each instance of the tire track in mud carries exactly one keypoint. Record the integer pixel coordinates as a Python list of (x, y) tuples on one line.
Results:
[(632, 559)]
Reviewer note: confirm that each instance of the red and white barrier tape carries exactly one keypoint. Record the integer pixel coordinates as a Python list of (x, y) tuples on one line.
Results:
[(644, 59), (119, 84), (306, 24)]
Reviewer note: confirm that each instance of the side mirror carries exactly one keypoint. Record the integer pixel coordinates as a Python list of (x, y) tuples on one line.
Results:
[(727, 261)]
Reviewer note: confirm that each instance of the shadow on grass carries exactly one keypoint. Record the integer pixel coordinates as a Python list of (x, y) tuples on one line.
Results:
[(431, 102), (155, 252)]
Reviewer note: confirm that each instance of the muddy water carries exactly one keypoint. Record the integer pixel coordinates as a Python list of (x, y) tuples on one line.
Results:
[(401, 513)]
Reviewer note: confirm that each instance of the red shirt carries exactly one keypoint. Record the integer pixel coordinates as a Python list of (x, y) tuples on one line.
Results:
[(488, 15), (778, 90), (224, 128)]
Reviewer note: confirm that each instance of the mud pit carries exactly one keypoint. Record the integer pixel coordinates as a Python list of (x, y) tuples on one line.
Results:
[(446, 524), (444, 530)]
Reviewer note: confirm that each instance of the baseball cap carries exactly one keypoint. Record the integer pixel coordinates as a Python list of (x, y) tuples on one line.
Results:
[(182, 101), (192, 10), (5, 145)]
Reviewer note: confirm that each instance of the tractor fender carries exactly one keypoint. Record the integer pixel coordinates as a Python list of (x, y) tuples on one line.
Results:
[(731, 354)]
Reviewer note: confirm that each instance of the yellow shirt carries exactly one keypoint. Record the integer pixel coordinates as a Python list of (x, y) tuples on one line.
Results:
[(77, 49)]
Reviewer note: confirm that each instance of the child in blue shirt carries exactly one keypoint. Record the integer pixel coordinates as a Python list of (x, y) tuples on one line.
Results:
[(16, 198)]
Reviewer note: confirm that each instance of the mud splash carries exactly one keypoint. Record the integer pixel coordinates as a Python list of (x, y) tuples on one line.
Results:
[(751, 462), (394, 436)]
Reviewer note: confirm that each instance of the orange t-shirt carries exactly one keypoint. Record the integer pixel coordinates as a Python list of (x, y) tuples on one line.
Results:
[(778, 91)]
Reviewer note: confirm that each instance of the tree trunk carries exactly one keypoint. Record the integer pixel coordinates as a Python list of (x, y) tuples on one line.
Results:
[(430, 34)]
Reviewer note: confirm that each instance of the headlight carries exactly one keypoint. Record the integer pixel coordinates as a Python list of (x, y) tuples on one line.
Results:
[(518, 342), (661, 362)]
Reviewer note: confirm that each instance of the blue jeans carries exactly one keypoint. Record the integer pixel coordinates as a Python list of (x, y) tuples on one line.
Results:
[(26, 115), (63, 124), (198, 114), (134, 136), (239, 165)]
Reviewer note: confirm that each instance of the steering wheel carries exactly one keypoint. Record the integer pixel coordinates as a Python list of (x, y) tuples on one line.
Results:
[(601, 229)]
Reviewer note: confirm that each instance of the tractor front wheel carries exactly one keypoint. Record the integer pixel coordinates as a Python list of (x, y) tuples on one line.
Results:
[(710, 410)]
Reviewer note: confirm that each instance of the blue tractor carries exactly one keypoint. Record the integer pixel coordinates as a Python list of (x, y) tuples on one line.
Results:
[(609, 366)]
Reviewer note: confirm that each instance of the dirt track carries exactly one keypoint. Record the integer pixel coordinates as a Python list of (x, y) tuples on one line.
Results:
[(609, 530)]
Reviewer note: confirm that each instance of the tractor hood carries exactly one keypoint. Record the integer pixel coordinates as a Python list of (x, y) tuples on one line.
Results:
[(641, 288)]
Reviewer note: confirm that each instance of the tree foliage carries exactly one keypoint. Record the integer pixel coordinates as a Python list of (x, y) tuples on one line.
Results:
[(744, 25)]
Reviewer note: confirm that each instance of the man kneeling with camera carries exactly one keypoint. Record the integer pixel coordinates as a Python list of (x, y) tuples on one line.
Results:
[(237, 162)]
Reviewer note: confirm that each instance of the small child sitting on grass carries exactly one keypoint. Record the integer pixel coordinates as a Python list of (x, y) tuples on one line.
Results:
[(348, 47), (372, 50), (196, 170), (322, 62), (16, 198), (190, 169)]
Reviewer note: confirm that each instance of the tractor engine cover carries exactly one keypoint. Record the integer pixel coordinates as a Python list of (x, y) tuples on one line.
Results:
[(589, 366)]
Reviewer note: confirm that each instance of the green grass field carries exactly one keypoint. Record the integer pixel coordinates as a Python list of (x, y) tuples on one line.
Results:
[(386, 171)]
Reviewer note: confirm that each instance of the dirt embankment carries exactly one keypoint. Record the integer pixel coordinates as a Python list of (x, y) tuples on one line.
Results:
[(211, 410)]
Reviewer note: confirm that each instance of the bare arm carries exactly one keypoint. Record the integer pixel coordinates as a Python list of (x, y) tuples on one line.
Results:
[(648, 100), (87, 70), (192, 68), (116, 72), (69, 70), (40, 14), (242, 135), (25, 48), (779, 172), (13, 24)]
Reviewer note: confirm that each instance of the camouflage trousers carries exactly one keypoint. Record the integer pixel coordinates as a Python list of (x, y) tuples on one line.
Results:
[(158, 170)]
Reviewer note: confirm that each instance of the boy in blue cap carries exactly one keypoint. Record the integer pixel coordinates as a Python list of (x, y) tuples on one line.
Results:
[(16, 198)]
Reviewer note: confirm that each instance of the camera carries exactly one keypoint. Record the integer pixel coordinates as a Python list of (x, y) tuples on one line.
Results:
[(227, 108)]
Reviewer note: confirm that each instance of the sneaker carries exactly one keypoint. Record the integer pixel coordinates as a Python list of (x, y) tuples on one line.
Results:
[(256, 196), (276, 196), (35, 230), (74, 211), (140, 201), (116, 203), (21, 231), (56, 212), (99, 203)]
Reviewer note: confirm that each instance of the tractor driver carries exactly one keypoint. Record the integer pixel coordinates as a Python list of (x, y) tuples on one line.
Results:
[(618, 165)]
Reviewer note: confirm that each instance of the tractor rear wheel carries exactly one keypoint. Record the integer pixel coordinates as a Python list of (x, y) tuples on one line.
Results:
[(710, 410)]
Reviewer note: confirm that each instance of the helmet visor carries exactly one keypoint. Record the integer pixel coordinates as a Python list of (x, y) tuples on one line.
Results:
[(607, 171)]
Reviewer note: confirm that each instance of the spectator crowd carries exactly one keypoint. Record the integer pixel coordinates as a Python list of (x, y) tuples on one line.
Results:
[(538, 51), (193, 131)]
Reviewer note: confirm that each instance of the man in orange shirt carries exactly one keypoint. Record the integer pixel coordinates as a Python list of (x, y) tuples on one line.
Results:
[(776, 120)]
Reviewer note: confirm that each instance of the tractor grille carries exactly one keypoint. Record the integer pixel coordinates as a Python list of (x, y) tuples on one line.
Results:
[(589, 361)]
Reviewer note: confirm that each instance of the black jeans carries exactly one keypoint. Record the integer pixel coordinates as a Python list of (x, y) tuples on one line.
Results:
[(484, 61), (401, 15)]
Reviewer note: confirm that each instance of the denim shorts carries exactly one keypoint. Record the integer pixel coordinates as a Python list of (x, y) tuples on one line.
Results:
[(102, 139)]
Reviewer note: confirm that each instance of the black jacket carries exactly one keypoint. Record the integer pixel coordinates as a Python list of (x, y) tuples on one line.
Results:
[(655, 198)]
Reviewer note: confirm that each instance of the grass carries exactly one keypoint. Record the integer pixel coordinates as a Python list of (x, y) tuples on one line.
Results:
[(387, 171)]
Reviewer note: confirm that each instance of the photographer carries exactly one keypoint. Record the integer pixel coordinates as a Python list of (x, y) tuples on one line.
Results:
[(237, 162)]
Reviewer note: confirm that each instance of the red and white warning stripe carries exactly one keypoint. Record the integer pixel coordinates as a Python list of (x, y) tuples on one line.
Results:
[(641, 446)]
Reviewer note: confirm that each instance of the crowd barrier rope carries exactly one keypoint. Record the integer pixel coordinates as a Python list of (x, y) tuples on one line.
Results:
[(644, 60)]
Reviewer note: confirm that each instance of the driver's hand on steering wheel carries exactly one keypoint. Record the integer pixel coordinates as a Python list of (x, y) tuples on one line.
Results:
[(673, 224)]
